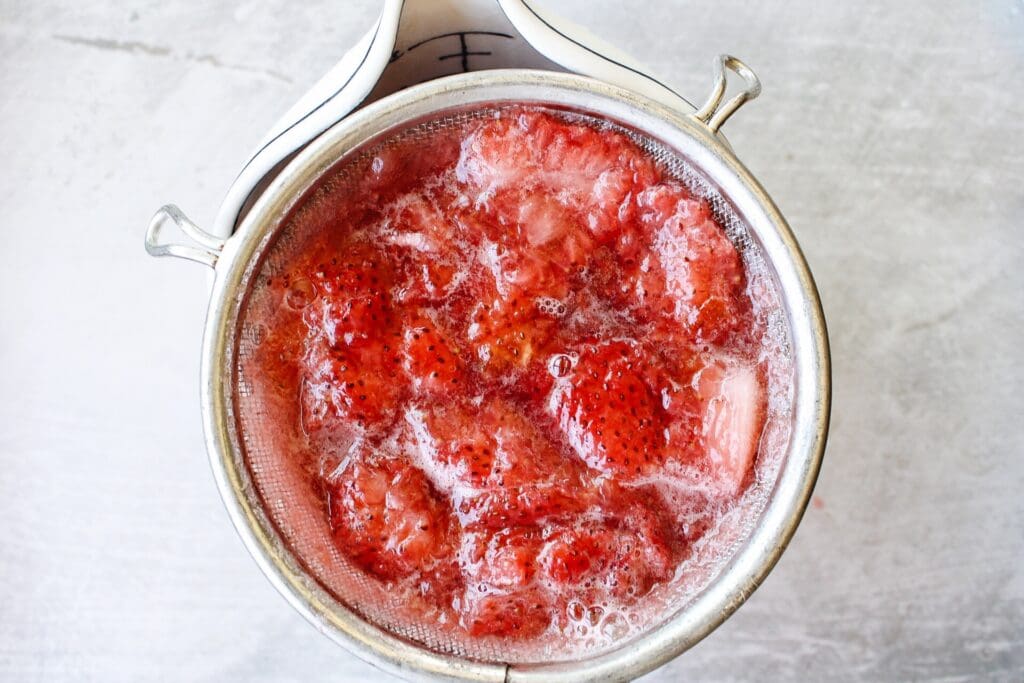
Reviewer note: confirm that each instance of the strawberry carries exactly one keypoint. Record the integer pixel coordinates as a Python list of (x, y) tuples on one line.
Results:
[(430, 361), (503, 559), (454, 442), (484, 443), (498, 467), (510, 340), (557, 189), (395, 169), (388, 518), (670, 373), (703, 273), (615, 543), (498, 569), (602, 558), (493, 155), (353, 304), (613, 208), (357, 384), (427, 246), (536, 502), (594, 170), (531, 244), (351, 357), (733, 416), (607, 411), (631, 279), (519, 614), (506, 335)]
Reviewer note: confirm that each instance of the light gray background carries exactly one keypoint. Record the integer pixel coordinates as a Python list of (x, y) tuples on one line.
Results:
[(892, 136)]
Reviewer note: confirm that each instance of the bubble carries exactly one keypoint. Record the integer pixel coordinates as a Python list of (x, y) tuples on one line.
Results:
[(614, 627), (551, 306), (560, 365), (300, 294)]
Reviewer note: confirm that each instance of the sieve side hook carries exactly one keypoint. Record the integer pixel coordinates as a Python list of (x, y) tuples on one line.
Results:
[(713, 113), (206, 252)]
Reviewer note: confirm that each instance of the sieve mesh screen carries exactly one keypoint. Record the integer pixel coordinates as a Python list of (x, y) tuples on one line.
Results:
[(286, 488)]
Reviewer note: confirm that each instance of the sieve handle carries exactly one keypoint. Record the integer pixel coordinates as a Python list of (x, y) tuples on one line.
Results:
[(208, 247), (713, 113)]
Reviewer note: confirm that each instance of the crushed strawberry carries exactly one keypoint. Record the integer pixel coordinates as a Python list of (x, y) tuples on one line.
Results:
[(604, 559), (732, 396), (353, 307), (516, 349), (703, 274), (518, 614), (486, 443), (503, 560), (430, 360), (508, 334), (359, 385), (607, 410), (351, 360), (591, 170), (426, 246), (389, 519), (501, 597)]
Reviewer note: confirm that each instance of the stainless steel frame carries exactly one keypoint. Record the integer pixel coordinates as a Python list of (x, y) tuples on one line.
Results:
[(695, 137)]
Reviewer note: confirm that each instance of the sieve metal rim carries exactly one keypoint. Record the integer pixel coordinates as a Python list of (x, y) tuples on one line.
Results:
[(707, 152)]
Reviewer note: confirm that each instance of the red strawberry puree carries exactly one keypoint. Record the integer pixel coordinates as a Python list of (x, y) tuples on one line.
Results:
[(524, 360)]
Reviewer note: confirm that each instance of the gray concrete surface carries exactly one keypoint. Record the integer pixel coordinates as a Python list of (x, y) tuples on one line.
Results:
[(892, 136)]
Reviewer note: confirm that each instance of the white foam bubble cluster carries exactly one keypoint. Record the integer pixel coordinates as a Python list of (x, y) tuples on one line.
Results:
[(552, 307)]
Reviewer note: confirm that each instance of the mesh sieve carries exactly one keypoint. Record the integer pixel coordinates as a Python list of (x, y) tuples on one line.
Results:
[(284, 488)]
